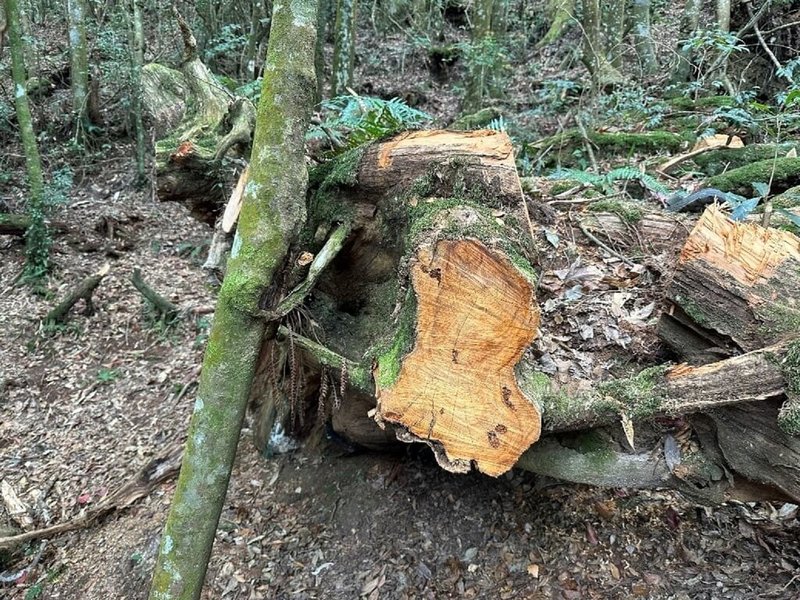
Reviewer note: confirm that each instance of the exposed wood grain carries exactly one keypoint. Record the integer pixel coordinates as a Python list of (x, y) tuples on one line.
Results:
[(735, 289), (457, 390), (485, 157)]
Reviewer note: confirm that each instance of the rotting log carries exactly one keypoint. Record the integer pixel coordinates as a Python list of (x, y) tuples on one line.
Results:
[(735, 289), (83, 290), (211, 122), (15, 224)]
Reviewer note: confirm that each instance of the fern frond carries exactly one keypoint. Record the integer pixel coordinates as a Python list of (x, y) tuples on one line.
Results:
[(582, 177)]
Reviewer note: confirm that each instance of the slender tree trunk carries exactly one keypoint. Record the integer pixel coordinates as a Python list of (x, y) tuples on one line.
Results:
[(344, 49), (137, 62), (613, 23), (323, 14), (37, 238), (79, 64), (481, 30), (642, 36), (272, 214), (561, 14), (724, 15), (689, 24)]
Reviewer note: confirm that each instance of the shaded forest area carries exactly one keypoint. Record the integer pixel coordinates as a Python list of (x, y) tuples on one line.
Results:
[(507, 289)]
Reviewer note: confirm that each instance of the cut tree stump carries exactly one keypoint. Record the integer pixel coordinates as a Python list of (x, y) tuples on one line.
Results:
[(212, 122), (476, 315)]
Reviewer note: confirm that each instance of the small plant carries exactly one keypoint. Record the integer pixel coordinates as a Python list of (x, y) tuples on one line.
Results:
[(37, 236), (34, 592), (355, 120), (106, 375), (605, 183)]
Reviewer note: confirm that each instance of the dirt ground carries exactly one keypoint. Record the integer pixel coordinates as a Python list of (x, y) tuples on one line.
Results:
[(85, 406)]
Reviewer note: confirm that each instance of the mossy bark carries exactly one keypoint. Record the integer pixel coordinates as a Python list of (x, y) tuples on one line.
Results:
[(200, 121), (37, 240), (562, 15), (719, 161), (642, 36), (558, 149), (272, 214), (344, 49), (781, 173)]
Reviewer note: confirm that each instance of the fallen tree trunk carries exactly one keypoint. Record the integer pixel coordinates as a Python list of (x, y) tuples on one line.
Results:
[(433, 289)]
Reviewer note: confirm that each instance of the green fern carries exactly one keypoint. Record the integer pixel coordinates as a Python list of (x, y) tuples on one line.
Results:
[(354, 120), (605, 183)]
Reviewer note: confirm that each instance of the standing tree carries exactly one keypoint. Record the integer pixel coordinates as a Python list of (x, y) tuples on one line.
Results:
[(344, 49), (79, 65), (642, 36), (272, 214), (689, 24), (478, 69), (37, 239), (597, 46), (137, 62)]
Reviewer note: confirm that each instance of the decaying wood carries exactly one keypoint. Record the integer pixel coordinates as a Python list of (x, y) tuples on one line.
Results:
[(11, 224), (84, 291), (212, 122), (735, 289), (456, 390), (165, 309), (654, 232), (430, 293)]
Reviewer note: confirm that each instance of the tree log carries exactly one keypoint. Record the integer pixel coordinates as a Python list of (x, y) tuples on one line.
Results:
[(735, 289), (432, 292)]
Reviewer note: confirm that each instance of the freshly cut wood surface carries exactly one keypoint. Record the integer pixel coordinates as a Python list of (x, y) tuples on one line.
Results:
[(456, 390), (735, 289)]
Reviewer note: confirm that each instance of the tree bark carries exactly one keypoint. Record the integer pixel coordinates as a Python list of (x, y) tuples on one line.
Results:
[(344, 48), (272, 215), (690, 22), (137, 63), (642, 36), (37, 239), (79, 65), (478, 73), (188, 166), (734, 290)]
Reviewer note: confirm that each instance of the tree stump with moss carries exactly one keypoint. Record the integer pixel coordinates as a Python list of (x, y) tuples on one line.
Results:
[(421, 322)]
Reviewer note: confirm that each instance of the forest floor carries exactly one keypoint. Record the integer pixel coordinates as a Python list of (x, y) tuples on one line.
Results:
[(85, 406)]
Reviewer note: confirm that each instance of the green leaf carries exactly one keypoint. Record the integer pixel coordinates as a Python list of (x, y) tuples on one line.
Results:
[(794, 218), (761, 188)]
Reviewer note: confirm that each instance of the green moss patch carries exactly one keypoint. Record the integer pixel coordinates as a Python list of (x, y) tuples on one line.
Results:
[(783, 172)]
